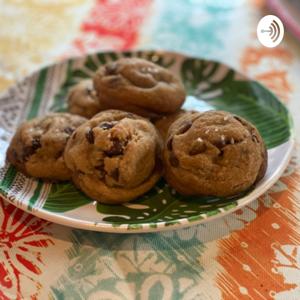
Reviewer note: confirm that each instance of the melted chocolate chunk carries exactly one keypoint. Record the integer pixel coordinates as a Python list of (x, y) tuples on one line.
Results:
[(69, 130), (30, 150), (27, 152), (173, 160), (185, 127), (101, 170), (59, 154), (107, 125), (115, 174), (36, 143), (221, 153), (116, 149), (239, 120), (90, 136), (170, 144), (220, 143)]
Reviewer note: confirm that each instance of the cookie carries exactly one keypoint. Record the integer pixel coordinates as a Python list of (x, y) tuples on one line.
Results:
[(163, 124), (38, 145), (213, 153), (82, 99), (115, 156), (139, 86)]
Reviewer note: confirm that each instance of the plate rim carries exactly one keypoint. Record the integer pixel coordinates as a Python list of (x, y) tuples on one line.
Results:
[(109, 227)]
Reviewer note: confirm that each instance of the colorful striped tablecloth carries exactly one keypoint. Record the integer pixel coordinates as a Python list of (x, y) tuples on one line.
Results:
[(253, 253)]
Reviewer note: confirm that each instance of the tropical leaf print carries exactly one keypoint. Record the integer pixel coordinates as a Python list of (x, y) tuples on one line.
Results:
[(226, 90), (210, 85), (163, 204), (65, 197)]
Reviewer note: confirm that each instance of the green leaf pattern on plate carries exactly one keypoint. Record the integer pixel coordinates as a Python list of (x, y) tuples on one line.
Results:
[(217, 87), (210, 85)]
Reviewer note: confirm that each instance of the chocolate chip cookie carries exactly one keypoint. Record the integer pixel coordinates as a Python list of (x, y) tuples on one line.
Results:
[(38, 145), (139, 86), (115, 156), (163, 124), (213, 153), (82, 99)]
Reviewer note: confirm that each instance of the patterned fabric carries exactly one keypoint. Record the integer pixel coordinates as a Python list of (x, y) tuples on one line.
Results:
[(253, 253)]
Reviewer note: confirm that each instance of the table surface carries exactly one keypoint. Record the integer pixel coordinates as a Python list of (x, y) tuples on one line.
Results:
[(253, 253)]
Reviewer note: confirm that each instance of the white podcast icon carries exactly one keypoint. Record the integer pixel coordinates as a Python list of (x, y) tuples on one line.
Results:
[(270, 31)]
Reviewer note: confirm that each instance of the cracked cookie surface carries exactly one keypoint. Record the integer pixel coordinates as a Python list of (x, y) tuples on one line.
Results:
[(38, 145), (82, 99), (139, 86), (115, 156), (213, 153)]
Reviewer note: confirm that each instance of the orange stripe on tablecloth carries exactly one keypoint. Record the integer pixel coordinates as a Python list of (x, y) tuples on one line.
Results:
[(247, 255)]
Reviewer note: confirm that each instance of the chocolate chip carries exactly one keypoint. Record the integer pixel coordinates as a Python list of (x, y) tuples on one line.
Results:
[(101, 170), (30, 150), (36, 143), (111, 68), (220, 143), (197, 148), (107, 125), (239, 119), (116, 149), (115, 174), (173, 160), (243, 122), (221, 153), (74, 136), (69, 130), (170, 144), (27, 152), (185, 127), (90, 136), (59, 154)]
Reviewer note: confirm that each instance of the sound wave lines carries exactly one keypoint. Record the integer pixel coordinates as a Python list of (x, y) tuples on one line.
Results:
[(274, 31)]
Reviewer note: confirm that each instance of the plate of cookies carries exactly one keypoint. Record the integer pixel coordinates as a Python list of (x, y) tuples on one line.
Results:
[(139, 141)]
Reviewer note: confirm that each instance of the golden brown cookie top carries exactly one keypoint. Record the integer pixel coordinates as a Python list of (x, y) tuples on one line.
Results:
[(217, 152), (38, 145), (82, 99), (116, 149), (139, 86)]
